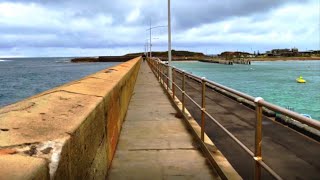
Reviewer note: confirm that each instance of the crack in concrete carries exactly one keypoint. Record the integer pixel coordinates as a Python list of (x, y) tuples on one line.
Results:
[(164, 149), (104, 79), (19, 146), (95, 78), (16, 108), (81, 93), (28, 105)]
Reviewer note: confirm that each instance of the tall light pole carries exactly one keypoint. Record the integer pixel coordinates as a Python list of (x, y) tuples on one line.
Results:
[(146, 48), (169, 45), (149, 29), (150, 40)]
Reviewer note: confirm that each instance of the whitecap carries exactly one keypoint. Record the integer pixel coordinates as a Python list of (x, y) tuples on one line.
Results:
[(4, 60), (63, 61)]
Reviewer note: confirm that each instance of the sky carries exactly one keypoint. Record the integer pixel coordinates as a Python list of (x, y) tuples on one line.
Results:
[(30, 28)]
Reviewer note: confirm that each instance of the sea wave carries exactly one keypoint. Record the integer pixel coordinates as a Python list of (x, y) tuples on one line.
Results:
[(4, 60), (63, 61)]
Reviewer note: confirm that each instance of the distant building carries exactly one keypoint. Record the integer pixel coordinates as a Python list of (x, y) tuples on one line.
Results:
[(307, 53), (283, 52), (296, 50)]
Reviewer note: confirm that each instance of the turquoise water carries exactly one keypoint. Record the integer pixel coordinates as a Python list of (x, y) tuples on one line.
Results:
[(274, 81)]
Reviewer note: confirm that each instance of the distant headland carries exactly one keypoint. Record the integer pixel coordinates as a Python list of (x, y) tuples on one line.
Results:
[(272, 55), (227, 56)]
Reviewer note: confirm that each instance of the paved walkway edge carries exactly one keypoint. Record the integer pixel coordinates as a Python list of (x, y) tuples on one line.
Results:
[(215, 157)]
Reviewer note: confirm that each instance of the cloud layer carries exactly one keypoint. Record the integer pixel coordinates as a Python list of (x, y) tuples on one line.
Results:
[(105, 27)]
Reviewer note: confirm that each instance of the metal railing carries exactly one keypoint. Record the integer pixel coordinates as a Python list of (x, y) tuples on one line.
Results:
[(160, 69)]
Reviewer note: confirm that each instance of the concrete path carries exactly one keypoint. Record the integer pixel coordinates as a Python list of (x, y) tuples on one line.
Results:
[(154, 144)]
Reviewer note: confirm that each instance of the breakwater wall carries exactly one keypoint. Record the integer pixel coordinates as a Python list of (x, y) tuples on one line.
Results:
[(102, 59), (69, 132)]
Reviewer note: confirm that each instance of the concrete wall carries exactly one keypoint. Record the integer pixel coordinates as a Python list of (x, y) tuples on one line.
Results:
[(69, 132)]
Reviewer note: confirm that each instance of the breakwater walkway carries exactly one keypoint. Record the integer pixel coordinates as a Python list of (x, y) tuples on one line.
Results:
[(154, 143)]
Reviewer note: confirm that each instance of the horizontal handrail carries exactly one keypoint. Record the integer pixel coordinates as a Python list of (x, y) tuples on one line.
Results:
[(259, 103), (243, 95), (204, 112), (311, 122)]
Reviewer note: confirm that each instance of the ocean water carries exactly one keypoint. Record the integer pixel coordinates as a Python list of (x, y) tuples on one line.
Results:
[(24, 77), (274, 81)]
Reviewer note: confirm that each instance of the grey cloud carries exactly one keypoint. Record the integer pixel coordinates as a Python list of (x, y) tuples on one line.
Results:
[(194, 13), (253, 29), (10, 29), (186, 14), (63, 40), (85, 8)]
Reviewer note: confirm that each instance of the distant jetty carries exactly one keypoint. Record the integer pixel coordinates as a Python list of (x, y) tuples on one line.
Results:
[(218, 61), (227, 62)]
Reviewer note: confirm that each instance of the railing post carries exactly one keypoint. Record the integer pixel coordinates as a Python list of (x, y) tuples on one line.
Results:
[(258, 139), (157, 66), (173, 81), (160, 75), (183, 90), (158, 70), (152, 65), (168, 79), (203, 107), (163, 75)]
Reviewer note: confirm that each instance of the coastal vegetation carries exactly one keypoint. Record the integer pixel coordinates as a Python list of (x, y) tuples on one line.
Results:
[(177, 55)]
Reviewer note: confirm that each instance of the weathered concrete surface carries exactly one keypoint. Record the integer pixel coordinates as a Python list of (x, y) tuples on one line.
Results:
[(154, 144), (74, 128), (22, 167)]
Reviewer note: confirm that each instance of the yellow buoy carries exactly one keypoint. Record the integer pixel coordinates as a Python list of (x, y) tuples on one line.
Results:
[(300, 80)]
